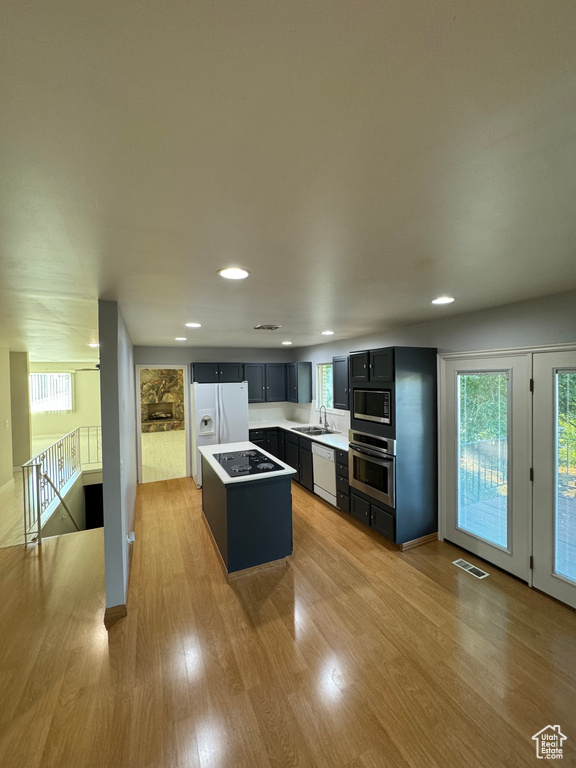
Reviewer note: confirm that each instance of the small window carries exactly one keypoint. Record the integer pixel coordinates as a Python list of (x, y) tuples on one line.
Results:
[(50, 392), (324, 385)]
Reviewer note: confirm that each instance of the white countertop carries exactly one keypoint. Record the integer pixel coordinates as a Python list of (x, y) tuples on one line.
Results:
[(338, 440), (208, 452)]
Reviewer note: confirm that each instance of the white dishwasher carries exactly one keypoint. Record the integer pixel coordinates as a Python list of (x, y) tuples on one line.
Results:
[(324, 464)]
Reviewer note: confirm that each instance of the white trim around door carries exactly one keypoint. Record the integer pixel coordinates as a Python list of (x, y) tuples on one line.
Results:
[(187, 427), (485, 490)]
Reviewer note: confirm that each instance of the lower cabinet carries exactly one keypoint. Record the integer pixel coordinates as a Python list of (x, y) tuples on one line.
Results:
[(269, 440), (272, 442), (343, 501), (258, 437), (383, 522), (306, 470), (292, 455), (360, 508), (376, 516), (298, 455), (342, 487)]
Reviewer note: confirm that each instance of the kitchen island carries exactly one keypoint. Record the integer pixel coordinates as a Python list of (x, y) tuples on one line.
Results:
[(249, 515)]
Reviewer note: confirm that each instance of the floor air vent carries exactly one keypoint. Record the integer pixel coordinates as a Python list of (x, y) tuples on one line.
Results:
[(466, 566)]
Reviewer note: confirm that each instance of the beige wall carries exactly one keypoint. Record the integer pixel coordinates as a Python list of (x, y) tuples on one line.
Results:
[(20, 408), (6, 472), (86, 401)]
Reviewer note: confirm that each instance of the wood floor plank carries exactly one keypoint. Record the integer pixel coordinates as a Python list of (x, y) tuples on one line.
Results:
[(352, 655)]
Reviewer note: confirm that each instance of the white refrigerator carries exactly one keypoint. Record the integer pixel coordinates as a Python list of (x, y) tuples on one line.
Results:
[(219, 415)]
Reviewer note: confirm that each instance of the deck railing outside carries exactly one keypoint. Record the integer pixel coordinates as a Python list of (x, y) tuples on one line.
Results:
[(483, 470), (62, 462)]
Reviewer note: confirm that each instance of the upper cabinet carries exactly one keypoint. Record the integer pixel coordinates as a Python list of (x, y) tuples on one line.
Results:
[(255, 374), (275, 382), (340, 393), (375, 365), (205, 373), (230, 372), (213, 373), (299, 382), (382, 364), (266, 382), (359, 369)]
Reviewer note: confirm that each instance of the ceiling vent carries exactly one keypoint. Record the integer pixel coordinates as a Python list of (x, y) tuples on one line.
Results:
[(267, 327)]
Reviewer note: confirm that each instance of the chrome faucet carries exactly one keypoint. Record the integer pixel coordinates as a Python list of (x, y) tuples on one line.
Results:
[(325, 416)]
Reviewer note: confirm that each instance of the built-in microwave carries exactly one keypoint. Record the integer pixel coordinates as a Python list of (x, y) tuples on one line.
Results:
[(372, 405)]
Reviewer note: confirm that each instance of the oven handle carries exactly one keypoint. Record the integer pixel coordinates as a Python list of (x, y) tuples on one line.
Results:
[(367, 452)]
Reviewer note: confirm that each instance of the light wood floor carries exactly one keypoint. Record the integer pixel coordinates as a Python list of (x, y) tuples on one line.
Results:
[(163, 455), (354, 655)]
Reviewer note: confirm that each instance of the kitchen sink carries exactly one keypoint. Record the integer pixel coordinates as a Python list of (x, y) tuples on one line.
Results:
[(315, 430)]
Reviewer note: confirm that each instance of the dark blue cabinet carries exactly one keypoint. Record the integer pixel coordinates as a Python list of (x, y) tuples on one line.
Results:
[(275, 382), (205, 373), (382, 364), (359, 367), (374, 365), (212, 373), (255, 374), (299, 382), (292, 451), (266, 382), (340, 394), (272, 442), (230, 373), (306, 470)]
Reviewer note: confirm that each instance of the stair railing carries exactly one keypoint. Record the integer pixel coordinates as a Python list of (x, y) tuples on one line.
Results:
[(45, 476)]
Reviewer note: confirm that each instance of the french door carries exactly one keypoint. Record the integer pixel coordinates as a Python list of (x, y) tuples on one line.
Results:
[(485, 445), (555, 475)]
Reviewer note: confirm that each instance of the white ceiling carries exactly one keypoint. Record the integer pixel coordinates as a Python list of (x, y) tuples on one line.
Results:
[(358, 158)]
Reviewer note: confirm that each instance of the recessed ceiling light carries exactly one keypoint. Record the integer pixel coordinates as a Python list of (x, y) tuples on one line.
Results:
[(193, 325), (233, 273), (180, 338), (443, 300), (327, 333), (286, 343), (93, 344)]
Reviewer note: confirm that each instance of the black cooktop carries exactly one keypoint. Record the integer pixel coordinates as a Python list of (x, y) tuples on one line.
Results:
[(241, 463)]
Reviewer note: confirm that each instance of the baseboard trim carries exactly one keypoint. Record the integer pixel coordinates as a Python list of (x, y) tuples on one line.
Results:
[(418, 542), (114, 614), (257, 569)]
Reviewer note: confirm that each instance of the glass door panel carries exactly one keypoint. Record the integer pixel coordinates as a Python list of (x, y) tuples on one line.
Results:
[(483, 499), (565, 472), (485, 448), (555, 474)]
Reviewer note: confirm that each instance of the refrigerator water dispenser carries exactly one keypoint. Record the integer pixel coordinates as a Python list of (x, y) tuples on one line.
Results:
[(206, 425)]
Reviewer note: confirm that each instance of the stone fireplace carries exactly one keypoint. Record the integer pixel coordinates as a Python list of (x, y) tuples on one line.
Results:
[(159, 411), (161, 399)]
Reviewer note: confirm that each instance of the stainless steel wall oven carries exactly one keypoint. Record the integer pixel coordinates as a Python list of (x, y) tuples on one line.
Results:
[(372, 466)]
